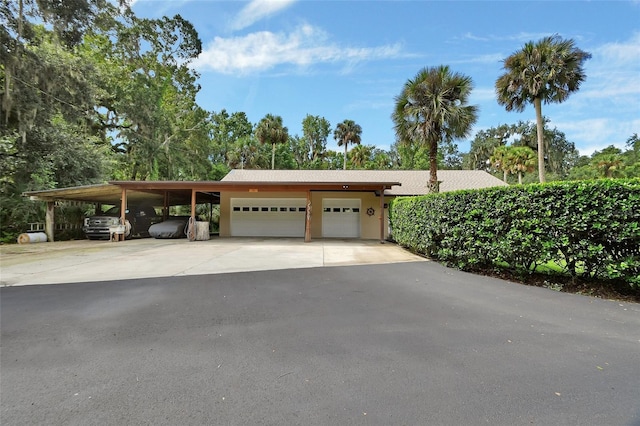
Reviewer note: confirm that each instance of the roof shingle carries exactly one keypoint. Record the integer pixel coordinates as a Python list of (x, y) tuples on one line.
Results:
[(414, 182)]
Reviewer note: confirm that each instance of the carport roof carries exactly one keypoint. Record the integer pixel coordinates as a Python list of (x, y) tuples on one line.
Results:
[(110, 193)]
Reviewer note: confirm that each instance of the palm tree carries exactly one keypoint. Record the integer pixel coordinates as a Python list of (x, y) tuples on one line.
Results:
[(609, 164), (361, 156), (347, 132), (432, 108), (500, 160), (521, 159), (546, 71), (270, 130)]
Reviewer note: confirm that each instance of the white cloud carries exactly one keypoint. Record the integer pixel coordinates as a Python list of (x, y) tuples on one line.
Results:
[(482, 94), (305, 46), (595, 134), (614, 71), (374, 103), (590, 132), (619, 54), (521, 37), (491, 58), (257, 10)]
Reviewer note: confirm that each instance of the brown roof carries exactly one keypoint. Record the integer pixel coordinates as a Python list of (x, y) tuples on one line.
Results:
[(401, 182), (413, 182)]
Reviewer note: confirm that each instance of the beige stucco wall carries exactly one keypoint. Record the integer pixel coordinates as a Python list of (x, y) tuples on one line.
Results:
[(369, 225)]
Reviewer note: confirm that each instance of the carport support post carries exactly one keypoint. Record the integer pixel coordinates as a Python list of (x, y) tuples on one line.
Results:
[(191, 232), (165, 206), (382, 215), (123, 213), (307, 223), (50, 220)]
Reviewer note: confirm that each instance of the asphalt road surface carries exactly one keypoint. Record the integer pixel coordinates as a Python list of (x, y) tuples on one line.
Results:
[(401, 344)]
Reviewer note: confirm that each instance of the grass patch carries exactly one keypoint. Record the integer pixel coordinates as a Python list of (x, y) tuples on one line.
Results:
[(553, 277)]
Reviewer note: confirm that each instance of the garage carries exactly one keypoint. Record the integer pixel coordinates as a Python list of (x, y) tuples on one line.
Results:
[(341, 218), (268, 217)]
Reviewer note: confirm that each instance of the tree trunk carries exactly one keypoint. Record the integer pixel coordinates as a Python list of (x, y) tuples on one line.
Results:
[(273, 156), (520, 177), (433, 185), (20, 15), (537, 103), (134, 171), (344, 167)]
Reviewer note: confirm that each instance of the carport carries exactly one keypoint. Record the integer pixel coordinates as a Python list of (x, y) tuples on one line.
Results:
[(170, 193)]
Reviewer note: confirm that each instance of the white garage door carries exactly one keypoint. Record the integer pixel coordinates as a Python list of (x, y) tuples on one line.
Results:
[(268, 217), (341, 218)]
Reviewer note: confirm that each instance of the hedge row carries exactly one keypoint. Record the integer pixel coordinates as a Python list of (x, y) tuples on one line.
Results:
[(590, 228)]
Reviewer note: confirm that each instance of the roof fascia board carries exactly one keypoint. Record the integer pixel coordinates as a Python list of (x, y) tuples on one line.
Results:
[(216, 186)]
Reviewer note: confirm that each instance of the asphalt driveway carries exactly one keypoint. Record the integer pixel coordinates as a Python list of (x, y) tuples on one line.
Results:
[(397, 344)]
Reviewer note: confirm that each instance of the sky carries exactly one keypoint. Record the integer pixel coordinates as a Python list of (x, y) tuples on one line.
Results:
[(350, 59)]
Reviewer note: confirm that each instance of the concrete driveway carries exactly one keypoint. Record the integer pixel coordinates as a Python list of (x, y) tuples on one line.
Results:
[(90, 261)]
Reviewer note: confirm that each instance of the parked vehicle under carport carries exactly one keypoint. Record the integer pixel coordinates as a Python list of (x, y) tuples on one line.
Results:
[(174, 227), (139, 219)]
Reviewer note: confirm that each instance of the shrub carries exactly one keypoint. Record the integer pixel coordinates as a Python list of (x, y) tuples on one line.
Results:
[(590, 228)]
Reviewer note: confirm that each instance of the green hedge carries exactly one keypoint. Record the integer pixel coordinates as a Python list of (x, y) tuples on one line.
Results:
[(590, 229)]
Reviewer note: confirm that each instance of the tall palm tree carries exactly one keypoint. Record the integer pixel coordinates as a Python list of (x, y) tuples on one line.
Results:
[(432, 108), (270, 130), (347, 132), (547, 71)]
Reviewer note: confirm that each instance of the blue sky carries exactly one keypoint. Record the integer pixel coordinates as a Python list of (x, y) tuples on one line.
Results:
[(349, 59)]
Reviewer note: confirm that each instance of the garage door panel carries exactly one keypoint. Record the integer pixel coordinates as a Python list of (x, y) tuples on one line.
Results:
[(268, 217), (341, 218)]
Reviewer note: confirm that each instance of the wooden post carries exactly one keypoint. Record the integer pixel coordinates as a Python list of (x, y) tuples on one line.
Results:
[(165, 206), (382, 215), (307, 224), (191, 232), (50, 220), (123, 214)]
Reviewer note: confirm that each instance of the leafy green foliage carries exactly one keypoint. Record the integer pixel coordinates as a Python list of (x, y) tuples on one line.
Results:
[(590, 228), (315, 131), (225, 130), (611, 162), (147, 97), (560, 154)]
